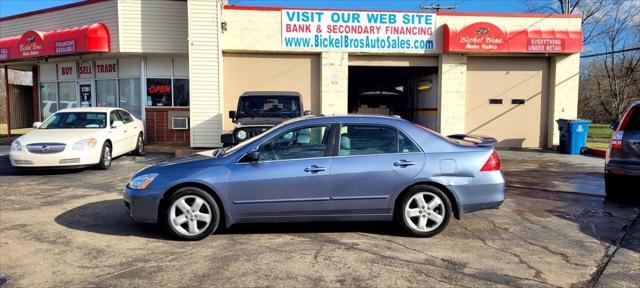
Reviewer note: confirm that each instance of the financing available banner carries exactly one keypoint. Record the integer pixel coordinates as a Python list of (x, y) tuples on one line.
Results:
[(358, 30)]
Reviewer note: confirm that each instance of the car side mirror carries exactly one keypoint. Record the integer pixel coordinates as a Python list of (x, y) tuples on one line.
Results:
[(36, 125), (614, 125), (306, 113), (252, 156), (232, 114), (117, 124)]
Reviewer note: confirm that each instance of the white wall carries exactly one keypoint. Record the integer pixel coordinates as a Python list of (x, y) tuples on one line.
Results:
[(204, 73), (153, 26)]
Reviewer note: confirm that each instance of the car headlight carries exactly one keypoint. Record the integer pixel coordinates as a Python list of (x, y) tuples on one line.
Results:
[(85, 144), (16, 146), (241, 134), (141, 182)]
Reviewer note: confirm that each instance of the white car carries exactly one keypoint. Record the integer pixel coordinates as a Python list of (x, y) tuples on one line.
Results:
[(79, 137)]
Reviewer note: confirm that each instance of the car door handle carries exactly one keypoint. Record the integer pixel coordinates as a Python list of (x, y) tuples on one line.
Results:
[(314, 169), (403, 163)]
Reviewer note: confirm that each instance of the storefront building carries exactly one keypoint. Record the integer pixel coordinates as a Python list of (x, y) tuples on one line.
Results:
[(181, 65)]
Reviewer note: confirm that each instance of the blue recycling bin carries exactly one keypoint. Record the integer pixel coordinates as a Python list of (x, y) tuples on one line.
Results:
[(573, 135)]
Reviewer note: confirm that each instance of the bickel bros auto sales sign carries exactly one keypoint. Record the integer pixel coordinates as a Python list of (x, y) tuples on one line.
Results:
[(358, 30)]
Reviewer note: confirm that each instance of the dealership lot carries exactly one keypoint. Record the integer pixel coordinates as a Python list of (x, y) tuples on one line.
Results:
[(69, 228)]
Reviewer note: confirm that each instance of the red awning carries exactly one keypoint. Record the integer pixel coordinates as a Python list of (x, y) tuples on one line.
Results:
[(489, 38), (34, 44)]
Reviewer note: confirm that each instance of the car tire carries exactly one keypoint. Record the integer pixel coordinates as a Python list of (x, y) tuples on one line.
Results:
[(189, 222), (611, 187), (106, 156), (139, 151), (426, 217)]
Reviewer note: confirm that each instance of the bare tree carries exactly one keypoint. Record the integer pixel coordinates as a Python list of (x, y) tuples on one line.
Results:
[(592, 11), (608, 82)]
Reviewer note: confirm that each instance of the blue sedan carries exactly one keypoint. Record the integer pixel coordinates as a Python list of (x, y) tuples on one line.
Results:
[(347, 168)]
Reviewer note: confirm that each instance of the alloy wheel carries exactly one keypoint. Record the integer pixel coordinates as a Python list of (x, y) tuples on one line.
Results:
[(106, 156), (190, 215), (424, 212), (140, 145)]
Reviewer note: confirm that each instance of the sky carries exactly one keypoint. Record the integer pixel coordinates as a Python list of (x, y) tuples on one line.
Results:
[(12, 7)]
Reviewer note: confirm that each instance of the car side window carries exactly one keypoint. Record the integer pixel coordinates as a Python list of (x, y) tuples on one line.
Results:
[(125, 116), (113, 117), (633, 124), (405, 145), (365, 139), (306, 142)]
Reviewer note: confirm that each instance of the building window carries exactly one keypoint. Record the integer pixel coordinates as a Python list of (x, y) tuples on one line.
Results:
[(167, 82), (67, 95), (48, 98), (180, 92), (106, 93), (116, 83), (129, 90), (159, 92)]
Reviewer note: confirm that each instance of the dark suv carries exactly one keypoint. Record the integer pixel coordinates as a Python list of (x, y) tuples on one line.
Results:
[(622, 166), (260, 110)]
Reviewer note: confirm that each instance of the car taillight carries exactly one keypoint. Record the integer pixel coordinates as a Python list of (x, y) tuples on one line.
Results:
[(492, 164), (616, 140)]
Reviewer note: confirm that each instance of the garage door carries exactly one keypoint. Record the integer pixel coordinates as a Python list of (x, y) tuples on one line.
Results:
[(507, 99), (267, 72)]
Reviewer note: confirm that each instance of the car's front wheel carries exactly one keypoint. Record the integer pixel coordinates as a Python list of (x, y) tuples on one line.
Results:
[(139, 146), (105, 157), (424, 211), (191, 214)]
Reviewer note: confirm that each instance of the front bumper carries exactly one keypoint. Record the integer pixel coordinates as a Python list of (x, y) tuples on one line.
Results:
[(142, 205), (66, 158)]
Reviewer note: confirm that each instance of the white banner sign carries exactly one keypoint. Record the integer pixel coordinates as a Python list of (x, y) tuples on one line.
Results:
[(106, 69), (86, 69), (358, 30), (67, 71)]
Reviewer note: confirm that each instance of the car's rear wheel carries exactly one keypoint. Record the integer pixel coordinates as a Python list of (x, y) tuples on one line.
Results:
[(191, 214), (612, 186), (105, 157), (424, 211), (139, 146)]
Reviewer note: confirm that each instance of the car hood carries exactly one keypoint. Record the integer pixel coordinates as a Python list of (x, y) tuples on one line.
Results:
[(68, 136), (189, 159), (261, 121)]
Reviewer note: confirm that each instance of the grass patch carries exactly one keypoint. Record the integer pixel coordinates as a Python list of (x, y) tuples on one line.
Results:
[(599, 136), (598, 145), (599, 131)]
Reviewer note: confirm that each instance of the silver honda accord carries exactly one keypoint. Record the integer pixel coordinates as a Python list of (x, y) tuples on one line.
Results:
[(347, 168)]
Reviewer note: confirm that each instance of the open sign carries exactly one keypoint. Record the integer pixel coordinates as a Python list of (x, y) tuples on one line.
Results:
[(155, 89)]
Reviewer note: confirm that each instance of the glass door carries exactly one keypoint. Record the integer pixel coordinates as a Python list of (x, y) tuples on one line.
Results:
[(85, 94), (67, 97)]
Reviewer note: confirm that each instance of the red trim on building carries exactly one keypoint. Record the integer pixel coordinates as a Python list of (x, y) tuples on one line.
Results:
[(36, 93), (486, 37), (476, 14), (33, 44)]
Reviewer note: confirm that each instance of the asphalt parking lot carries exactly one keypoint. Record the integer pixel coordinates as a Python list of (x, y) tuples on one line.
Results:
[(70, 229)]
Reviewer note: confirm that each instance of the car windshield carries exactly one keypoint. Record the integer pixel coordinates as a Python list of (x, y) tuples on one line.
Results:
[(75, 120), (269, 106)]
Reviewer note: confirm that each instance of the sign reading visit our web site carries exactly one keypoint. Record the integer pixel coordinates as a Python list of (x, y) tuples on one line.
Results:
[(358, 30)]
